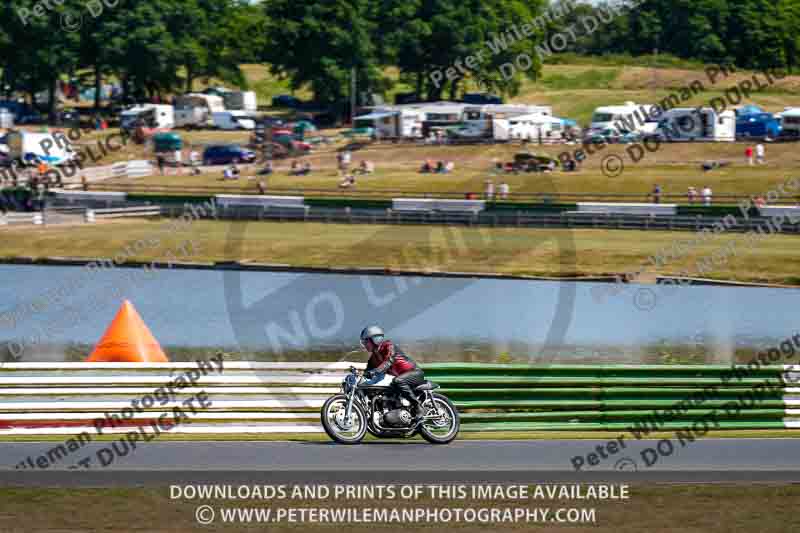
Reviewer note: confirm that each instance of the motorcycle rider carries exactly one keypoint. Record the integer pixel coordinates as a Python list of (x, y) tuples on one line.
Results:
[(386, 357)]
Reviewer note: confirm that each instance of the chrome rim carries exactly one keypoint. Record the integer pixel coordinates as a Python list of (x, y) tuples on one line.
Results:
[(440, 419), (347, 428)]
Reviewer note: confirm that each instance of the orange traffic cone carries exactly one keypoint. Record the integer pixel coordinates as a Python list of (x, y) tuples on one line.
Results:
[(128, 340)]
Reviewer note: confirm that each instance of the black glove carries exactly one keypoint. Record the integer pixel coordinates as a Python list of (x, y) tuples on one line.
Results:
[(369, 374)]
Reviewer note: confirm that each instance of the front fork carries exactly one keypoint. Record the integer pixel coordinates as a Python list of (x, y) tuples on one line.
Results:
[(349, 409)]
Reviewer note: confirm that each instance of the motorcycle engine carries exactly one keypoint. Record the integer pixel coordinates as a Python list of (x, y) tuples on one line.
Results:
[(397, 418)]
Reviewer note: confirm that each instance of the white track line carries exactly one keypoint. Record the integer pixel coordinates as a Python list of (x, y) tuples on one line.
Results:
[(184, 429), (47, 391), (117, 406), (227, 365)]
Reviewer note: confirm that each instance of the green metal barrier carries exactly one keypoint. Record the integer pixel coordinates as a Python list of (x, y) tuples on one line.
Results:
[(493, 397)]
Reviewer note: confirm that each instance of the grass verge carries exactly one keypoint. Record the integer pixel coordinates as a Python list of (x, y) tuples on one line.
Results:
[(507, 251)]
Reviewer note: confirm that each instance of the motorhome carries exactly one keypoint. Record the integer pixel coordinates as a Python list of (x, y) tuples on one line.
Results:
[(195, 110), (790, 122), (532, 127), (391, 122), (156, 116), (241, 101), (440, 115), (693, 124), (480, 118), (233, 120), (30, 148), (629, 117)]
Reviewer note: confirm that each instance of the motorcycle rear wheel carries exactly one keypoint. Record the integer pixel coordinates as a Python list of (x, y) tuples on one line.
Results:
[(431, 430)]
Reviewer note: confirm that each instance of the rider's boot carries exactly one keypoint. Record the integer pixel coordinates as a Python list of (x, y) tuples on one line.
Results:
[(417, 411)]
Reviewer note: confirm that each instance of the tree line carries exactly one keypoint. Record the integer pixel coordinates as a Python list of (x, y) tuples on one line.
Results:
[(159, 47)]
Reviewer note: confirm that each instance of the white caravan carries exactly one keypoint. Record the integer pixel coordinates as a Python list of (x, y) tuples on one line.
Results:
[(790, 121), (241, 101), (629, 117), (233, 120), (392, 122), (196, 109), (28, 148), (691, 124), (480, 118), (159, 116), (528, 127)]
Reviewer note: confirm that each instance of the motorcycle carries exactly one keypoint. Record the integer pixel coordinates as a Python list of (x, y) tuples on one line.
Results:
[(372, 405)]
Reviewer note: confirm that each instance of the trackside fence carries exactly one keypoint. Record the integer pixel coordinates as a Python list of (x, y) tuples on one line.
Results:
[(260, 397)]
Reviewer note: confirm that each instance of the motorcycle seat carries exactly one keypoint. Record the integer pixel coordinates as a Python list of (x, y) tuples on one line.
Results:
[(427, 386)]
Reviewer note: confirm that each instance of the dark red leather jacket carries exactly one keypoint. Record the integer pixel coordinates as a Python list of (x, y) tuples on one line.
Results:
[(390, 359)]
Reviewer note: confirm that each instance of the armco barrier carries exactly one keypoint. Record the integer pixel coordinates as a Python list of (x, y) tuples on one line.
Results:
[(255, 397), (628, 209)]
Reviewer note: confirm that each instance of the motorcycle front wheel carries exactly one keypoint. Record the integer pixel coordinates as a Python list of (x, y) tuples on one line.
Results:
[(340, 429), (441, 422)]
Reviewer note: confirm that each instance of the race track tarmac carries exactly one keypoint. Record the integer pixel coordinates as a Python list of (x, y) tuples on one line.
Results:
[(706, 460)]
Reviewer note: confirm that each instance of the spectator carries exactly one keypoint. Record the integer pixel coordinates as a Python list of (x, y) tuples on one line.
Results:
[(84, 183), (267, 170), (748, 155), (262, 187), (760, 202), (760, 154), (194, 161), (294, 169), (42, 169), (449, 167), (161, 163), (706, 195), (366, 167), (231, 173), (504, 190), (348, 181), (346, 156), (306, 168), (489, 190), (178, 161), (427, 167), (440, 167), (691, 195), (657, 194)]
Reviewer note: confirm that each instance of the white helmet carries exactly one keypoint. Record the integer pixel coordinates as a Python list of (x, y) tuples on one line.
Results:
[(373, 333)]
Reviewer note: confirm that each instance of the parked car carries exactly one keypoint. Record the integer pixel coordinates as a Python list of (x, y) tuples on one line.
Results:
[(471, 131), (291, 143), (285, 100), (481, 99), (226, 154), (612, 136), (406, 98)]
